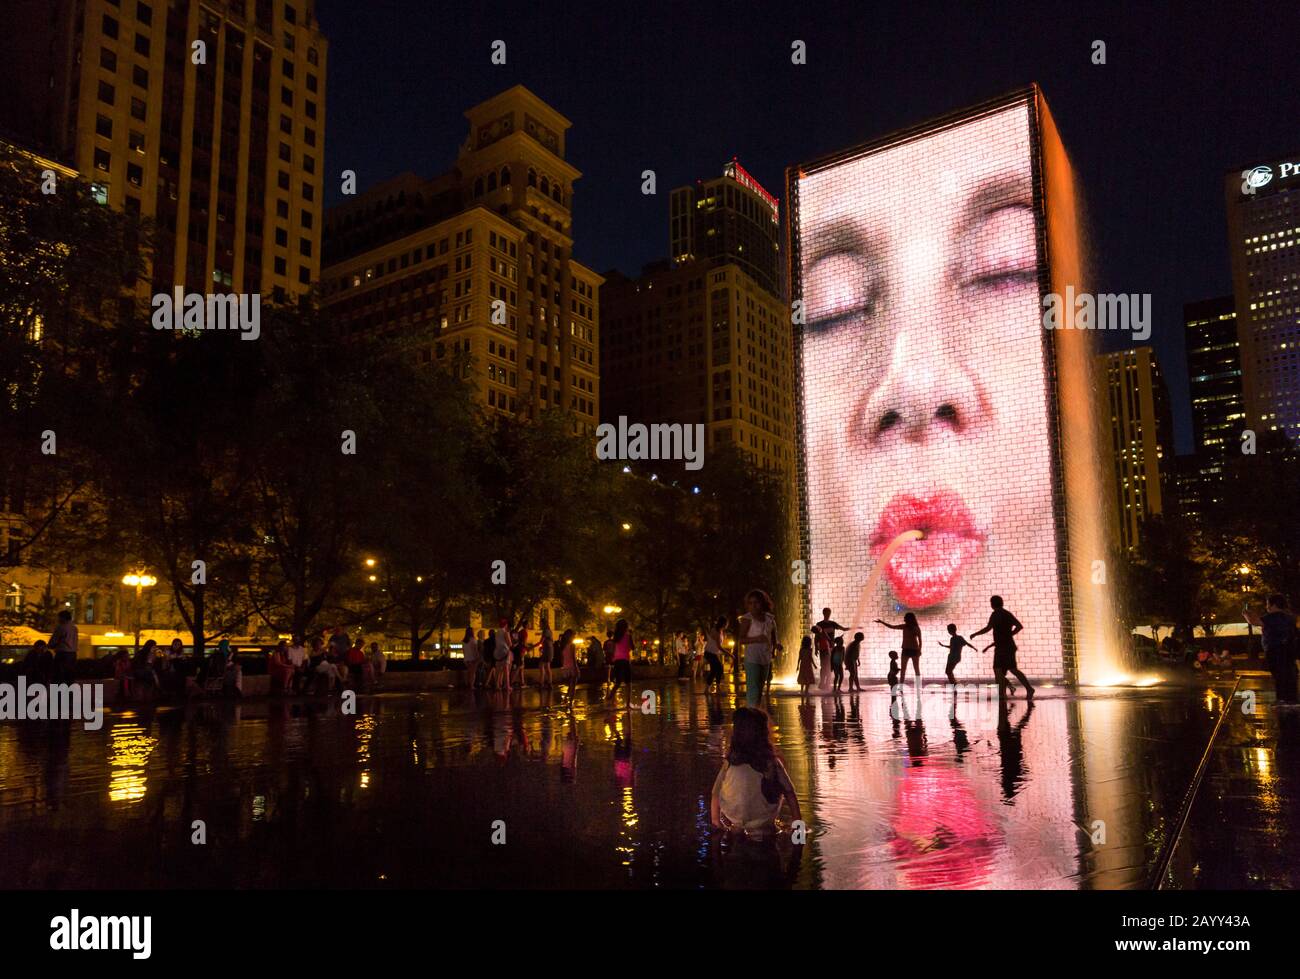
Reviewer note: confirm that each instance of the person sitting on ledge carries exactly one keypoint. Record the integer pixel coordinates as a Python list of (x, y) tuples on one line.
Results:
[(38, 666)]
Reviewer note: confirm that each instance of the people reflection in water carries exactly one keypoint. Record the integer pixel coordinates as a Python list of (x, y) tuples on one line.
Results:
[(623, 772), (569, 758), (960, 742), (1011, 749), (917, 745)]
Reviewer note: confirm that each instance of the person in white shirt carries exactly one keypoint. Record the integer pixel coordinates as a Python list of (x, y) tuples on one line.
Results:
[(63, 644), (298, 657), (469, 649)]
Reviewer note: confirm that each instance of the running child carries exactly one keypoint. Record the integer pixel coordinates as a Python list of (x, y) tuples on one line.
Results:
[(954, 651)]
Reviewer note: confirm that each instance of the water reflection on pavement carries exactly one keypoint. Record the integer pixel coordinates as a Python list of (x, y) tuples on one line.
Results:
[(1075, 791)]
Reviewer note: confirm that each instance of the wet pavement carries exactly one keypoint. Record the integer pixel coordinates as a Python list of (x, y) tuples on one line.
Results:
[(1244, 825), (1077, 791)]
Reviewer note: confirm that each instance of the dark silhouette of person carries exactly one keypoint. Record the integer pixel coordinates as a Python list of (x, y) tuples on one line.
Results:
[(1278, 628), (1004, 626)]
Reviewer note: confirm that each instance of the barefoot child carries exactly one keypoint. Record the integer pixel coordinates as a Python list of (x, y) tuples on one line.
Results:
[(954, 651), (806, 675), (851, 657)]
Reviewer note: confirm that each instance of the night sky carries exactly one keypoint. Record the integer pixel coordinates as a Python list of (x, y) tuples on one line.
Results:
[(1189, 91)]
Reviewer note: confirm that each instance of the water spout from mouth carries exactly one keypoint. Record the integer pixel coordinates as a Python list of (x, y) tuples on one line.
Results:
[(869, 589)]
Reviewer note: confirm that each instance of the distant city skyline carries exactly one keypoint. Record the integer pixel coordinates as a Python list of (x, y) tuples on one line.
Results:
[(1151, 133)]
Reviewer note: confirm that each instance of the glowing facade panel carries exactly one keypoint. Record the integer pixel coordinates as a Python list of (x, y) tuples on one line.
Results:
[(929, 399)]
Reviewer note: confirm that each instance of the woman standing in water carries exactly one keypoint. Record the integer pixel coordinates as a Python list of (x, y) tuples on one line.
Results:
[(621, 673), (911, 646), (757, 637), (713, 640), (548, 653), (469, 650), (566, 654)]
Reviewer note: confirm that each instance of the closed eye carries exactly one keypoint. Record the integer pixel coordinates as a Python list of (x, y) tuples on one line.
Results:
[(839, 288)]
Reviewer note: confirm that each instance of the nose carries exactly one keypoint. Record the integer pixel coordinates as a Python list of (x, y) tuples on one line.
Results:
[(927, 393)]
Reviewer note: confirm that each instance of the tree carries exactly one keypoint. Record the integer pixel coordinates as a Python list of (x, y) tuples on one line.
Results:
[(549, 518), (423, 515), (1167, 575), (178, 477), (67, 263), (321, 432)]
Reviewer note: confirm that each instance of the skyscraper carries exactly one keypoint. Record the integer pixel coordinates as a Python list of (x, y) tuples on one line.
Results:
[(207, 117), (1213, 372), (729, 219), (1141, 430), (702, 344), (1263, 206), (706, 339), (1218, 414), (482, 255)]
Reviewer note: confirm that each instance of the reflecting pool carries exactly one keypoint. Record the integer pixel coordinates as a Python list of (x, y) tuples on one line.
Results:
[(1077, 790)]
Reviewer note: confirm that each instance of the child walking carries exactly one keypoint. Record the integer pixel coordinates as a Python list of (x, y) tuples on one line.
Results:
[(807, 677), (837, 661), (851, 657)]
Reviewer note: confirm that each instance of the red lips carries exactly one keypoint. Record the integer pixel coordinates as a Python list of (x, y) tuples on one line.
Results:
[(924, 572)]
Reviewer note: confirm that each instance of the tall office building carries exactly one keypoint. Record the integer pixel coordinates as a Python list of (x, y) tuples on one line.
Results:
[(480, 261), (1218, 413), (729, 219), (702, 343), (1141, 436), (706, 338), (208, 117), (1214, 373), (1263, 206)]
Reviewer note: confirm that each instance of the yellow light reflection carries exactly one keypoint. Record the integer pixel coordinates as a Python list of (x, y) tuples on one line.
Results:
[(130, 746)]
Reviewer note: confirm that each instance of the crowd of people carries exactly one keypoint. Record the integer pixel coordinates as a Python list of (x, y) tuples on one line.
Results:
[(495, 658), (824, 657), (329, 664)]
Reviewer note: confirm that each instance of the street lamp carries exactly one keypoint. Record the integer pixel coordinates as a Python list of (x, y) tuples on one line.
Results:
[(138, 581)]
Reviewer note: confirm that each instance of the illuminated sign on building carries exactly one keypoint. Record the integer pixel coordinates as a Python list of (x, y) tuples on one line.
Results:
[(742, 176), (1253, 178), (938, 430)]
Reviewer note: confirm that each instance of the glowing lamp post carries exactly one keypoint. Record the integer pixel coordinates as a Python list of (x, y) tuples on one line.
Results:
[(139, 582)]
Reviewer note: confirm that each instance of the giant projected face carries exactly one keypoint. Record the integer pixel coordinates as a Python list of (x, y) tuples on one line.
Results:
[(925, 399)]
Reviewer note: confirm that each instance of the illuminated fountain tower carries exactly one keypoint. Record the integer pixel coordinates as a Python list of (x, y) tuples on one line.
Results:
[(949, 436)]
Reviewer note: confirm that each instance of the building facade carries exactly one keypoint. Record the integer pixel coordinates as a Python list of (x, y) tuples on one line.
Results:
[(1141, 430), (730, 219), (1214, 378), (705, 337), (1263, 208), (702, 343), (208, 117), (479, 263)]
